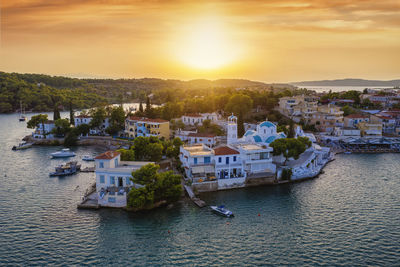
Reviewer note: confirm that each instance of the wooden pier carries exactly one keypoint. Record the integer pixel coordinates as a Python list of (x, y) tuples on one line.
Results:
[(193, 197)]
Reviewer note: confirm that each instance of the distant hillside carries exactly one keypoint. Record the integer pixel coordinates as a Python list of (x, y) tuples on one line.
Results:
[(349, 82)]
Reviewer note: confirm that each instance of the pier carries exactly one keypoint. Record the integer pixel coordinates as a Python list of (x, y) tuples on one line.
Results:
[(193, 197)]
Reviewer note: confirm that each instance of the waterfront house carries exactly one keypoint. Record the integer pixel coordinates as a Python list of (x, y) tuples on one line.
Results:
[(368, 129), (344, 132), (353, 119), (43, 131), (327, 118), (198, 162), (387, 121), (113, 178), (86, 119), (140, 126)]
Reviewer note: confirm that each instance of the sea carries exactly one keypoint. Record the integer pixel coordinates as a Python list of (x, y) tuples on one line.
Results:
[(321, 89), (349, 215)]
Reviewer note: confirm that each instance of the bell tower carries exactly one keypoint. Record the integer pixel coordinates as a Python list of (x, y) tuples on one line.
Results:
[(232, 129)]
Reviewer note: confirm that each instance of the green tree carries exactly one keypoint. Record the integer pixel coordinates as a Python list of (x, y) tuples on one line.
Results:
[(36, 120), (71, 113), (291, 132), (140, 143), (83, 129), (117, 120), (127, 154), (141, 107), (154, 151), (240, 125), (290, 147), (62, 127), (71, 138), (239, 104), (98, 116)]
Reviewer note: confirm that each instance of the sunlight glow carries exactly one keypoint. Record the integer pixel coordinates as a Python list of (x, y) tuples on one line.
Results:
[(206, 44)]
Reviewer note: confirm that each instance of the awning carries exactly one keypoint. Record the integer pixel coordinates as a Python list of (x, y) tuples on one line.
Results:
[(203, 169)]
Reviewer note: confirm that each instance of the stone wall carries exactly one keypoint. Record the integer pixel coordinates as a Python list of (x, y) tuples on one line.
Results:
[(205, 186)]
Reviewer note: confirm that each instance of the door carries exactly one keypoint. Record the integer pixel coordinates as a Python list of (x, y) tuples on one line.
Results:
[(120, 182)]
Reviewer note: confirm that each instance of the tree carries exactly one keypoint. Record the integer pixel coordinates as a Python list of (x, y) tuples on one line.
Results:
[(141, 107), (347, 110), (240, 125), (148, 110), (71, 113), (62, 127), (290, 147), (71, 138), (98, 116), (36, 120), (291, 132), (56, 113), (140, 144), (239, 104), (117, 120), (83, 129), (127, 154), (154, 151)]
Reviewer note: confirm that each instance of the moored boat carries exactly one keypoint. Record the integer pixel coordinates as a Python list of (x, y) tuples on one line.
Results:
[(221, 210), (88, 158), (64, 153), (23, 145), (67, 169)]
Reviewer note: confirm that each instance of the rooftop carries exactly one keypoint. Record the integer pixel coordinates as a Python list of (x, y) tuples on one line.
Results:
[(197, 150), (108, 155), (354, 116), (225, 150)]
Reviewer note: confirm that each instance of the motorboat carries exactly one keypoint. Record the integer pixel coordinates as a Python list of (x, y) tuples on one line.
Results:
[(88, 158), (23, 145), (66, 169), (221, 210), (64, 153)]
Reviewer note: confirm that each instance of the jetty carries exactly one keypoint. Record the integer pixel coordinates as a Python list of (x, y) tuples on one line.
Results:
[(89, 200), (193, 197)]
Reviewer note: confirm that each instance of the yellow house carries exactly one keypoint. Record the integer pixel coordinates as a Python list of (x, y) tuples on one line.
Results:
[(135, 127), (370, 129)]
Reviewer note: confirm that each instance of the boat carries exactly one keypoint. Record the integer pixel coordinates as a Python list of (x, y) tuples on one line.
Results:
[(64, 153), (21, 116), (347, 152), (88, 158), (66, 169), (23, 145), (221, 210)]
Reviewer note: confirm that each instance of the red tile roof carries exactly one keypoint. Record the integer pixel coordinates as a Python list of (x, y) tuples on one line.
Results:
[(108, 155), (354, 116), (225, 150), (132, 118), (193, 115), (201, 135)]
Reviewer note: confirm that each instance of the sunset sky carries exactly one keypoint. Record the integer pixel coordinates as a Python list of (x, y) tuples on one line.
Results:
[(272, 41)]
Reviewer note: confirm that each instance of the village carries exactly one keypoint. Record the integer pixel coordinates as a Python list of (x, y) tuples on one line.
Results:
[(221, 158)]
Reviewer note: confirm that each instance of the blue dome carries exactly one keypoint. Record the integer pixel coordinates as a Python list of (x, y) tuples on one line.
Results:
[(257, 139), (270, 139), (249, 132), (267, 124)]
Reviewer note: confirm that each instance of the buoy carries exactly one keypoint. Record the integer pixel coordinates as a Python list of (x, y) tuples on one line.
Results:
[(227, 222), (259, 215), (169, 231)]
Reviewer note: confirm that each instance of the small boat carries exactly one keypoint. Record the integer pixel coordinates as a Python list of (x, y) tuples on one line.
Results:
[(22, 115), (67, 169), (222, 211), (88, 158), (64, 153), (23, 145), (347, 152)]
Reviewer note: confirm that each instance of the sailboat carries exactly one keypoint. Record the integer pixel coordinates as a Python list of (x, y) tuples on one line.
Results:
[(22, 115)]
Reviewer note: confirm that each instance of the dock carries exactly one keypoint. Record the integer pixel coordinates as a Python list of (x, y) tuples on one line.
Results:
[(88, 169), (193, 197), (89, 200)]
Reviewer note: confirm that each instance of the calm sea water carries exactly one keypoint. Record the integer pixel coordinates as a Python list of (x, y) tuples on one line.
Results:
[(320, 89), (348, 216)]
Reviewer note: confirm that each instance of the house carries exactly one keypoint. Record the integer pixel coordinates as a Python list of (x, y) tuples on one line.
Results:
[(43, 131), (229, 168), (298, 107), (388, 122), (201, 138), (198, 162), (113, 178), (86, 119), (346, 132), (327, 118), (353, 119), (135, 127), (256, 158), (198, 118), (368, 129)]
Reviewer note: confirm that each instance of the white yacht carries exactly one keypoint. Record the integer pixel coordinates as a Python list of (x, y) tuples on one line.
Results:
[(88, 158), (64, 153)]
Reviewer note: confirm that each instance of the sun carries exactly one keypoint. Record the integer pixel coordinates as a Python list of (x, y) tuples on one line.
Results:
[(206, 44)]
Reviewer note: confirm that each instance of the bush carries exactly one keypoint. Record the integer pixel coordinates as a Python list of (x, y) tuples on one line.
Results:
[(286, 174)]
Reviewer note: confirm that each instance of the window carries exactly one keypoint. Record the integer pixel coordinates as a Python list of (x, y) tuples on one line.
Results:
[(101, 164), (234, 158), (128, 180), (207, 159), (219, 159), (112, 180), (195, 160), (116, 162), (227, 160), (102, 179), (111, 199)]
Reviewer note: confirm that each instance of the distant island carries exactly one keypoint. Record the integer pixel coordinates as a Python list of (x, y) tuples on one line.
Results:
[(349, 82)]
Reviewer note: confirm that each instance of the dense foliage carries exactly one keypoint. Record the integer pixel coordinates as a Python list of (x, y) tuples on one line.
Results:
[(164, 186), (290, 147)]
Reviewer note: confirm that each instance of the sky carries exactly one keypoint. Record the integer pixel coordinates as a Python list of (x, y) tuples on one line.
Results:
[(271, 41)]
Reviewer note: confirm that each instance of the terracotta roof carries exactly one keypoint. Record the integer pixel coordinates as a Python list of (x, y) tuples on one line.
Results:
[(146, 119), (201, 135), (225, 150), (108, 155), (193, 115), (353, 116)]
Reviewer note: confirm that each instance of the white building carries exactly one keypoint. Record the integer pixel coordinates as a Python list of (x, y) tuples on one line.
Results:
[(200, 138), (43, 131), (198, 118), (232, 130), (113, 178), (85, 119), (265, 134)]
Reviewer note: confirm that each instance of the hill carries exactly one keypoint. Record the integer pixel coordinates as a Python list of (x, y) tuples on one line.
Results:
[(349, 82)]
